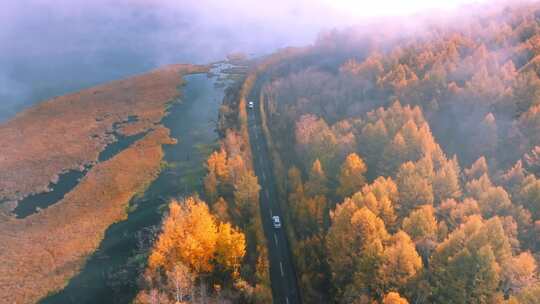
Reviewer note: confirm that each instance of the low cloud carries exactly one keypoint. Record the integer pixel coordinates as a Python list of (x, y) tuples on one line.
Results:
[(49, 48)]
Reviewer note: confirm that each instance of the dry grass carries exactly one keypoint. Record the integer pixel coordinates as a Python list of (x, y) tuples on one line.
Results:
[(40, 253), (68, 132)]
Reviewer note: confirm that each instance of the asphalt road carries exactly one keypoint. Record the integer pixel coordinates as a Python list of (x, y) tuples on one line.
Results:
[(282, 274)]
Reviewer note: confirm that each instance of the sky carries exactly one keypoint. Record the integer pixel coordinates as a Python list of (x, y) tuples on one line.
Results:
[(52, 47), (362, 8)]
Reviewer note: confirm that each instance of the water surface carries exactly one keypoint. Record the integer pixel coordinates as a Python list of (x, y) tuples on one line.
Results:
[(110, 274)]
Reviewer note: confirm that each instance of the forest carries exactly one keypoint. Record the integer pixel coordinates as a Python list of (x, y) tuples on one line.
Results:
[(411, 162), (408, 162)]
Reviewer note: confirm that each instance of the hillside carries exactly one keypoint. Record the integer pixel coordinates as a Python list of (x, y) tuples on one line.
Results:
[(408, 159)]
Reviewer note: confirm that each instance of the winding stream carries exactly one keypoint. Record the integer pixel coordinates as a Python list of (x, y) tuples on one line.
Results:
[(109, 275)]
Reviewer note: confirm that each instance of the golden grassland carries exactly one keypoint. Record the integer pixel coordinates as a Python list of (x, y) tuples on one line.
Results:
[(69, 131), (40, 253)]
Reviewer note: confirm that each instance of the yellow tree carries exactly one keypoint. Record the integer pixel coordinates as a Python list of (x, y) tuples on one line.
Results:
[(230, 248), (351, 177), (218, 177), (393, 155), (519, 272), (379, 197), (317, 182), (414, 188), (374, 137), (477, 169), (383, 187), (455, 213), (354, 245), (342, 244), (446, 181), (189, 236), (310, 215), (471, 254), (477, 187), (495, 201), (400, 263), (421, 223), (217, 163), (246, 194), (394, 298)]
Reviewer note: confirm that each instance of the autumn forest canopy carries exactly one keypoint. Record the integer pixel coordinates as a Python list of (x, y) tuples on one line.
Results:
[(410, 161), (407, 166)]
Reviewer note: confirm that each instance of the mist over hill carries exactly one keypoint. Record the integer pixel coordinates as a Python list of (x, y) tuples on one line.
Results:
[(50, 48)]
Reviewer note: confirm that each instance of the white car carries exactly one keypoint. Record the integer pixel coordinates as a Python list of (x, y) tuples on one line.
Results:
[(251, 104), (276, 222)]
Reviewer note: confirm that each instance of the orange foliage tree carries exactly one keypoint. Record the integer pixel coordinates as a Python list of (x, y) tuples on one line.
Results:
[(351, 177), (394, 298), (192, 236)]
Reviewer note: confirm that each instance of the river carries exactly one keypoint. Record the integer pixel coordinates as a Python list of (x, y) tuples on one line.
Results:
[(110, 274)]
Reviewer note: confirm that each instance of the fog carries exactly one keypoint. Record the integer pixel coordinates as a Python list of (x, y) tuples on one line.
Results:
[(52, 47)]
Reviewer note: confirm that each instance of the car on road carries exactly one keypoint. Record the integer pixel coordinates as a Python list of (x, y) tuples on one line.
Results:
[(251, 104), (276, 222)]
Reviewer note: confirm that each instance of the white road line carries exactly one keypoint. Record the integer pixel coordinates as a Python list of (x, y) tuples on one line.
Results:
[(271, 213), (287, 300), (275, 239), (281, 268), (266, 192), (263, 176)]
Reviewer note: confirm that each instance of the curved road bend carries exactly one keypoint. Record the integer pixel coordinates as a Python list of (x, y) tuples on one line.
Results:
[(282, 274)]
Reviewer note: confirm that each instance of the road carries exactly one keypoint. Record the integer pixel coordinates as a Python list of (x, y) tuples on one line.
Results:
[(282, 273)]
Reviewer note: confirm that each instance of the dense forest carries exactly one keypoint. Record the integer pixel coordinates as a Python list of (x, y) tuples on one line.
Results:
[(408, 162), (411, 162)]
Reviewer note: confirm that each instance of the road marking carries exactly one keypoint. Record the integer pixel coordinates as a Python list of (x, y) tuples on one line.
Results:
[(287, 300), (281, 268), (266, 192), (271, 213), (275, 239), (263, 176)]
